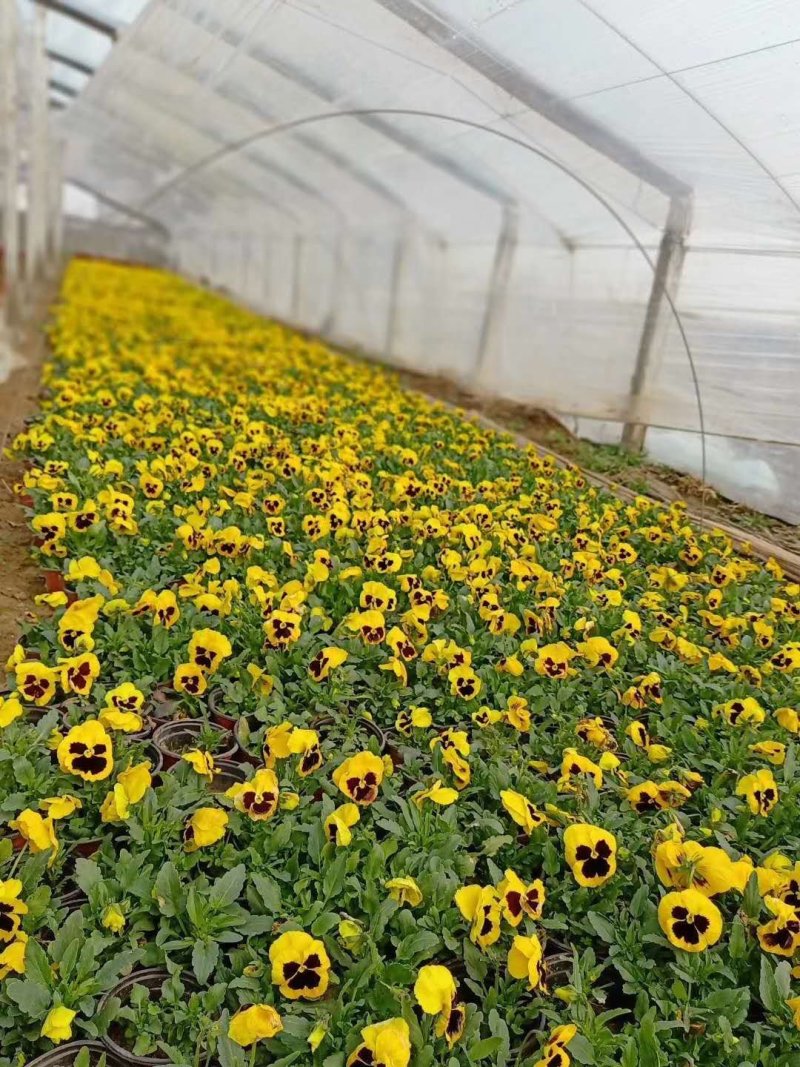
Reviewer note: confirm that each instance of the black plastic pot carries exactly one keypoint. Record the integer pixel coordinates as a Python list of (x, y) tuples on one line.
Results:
[(151, 978), (74, 897), (226, 774), (243, 724), (65, 1055), (558, 963), (172, 739), (218, 715), (166, 705), (364, 723)]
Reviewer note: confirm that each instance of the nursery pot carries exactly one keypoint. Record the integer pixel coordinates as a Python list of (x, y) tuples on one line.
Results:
[(226, 774), (151, 978), (54, 582), (165, 705), (370, 727), (558, 963), (65, 1055), (245, 753), (172, 739), (218, 714), (148, 728), (73, 898)]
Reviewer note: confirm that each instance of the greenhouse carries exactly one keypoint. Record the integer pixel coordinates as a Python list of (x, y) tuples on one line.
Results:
[(400, 614)]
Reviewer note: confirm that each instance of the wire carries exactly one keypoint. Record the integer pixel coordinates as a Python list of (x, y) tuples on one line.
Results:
[(266, 132)]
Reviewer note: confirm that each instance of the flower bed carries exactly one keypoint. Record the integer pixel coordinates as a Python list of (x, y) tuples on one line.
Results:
[(358, 735)]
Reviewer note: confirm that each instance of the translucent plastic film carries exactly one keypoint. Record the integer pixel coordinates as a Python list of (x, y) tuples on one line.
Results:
[(550, 199)]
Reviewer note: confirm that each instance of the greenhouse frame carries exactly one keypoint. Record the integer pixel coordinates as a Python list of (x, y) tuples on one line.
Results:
[(400, 533)]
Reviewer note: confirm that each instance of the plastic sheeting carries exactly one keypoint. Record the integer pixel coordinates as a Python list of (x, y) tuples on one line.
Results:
[(525, 268)]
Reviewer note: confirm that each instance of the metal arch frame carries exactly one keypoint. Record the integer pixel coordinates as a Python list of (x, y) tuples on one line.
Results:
[(124, 209), (62, 87), (335, 158), (509, 221), (277, 170), (234, 182), (358, 174), (272, 131), (408, 142), (455, 40), (69, 61), (79, 14), (281, 171), (458, 42)]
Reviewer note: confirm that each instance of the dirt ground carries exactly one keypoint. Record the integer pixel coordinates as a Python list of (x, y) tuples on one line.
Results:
[(21, 578)]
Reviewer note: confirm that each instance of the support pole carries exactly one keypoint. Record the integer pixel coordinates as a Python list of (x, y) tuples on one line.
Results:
[(398, 264), (55, 198), (297, 277), (37, 202), (497, 295), (666, 277), (9, 158), (337, 277)]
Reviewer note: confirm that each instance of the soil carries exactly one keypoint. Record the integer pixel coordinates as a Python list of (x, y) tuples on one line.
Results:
[(631, 470), (21, 577)]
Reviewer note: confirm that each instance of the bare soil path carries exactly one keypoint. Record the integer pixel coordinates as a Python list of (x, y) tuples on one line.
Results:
[(20, 577)]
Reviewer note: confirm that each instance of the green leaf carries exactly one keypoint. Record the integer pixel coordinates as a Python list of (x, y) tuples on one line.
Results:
[(487, 1047), (333, 882), (70, 932), (168, 891), (731, 1004), (630, 1057), (492, 845), (751, 898), (32, 998), (324, 922), (37, 965), (551, 861), (768, 988), (602, 927), (204, 958), (226, 889), (87, 874), (421, 943), (580, 1049), (648, 1041), (269, 891), (783, 979), (737, 942), (229, 1053)]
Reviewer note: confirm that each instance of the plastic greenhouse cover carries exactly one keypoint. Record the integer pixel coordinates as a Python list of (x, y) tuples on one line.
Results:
[(481, 188)]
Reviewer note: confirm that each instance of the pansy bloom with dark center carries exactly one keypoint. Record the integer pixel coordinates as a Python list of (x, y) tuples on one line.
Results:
[(360, 776), (384, 1044), (259, 797), (11, 908), (780, 936), (36, 682), (591, 853), (207, 649), (87, 751), (282, 629), (760, 791), (690, 920), (190, 678), (464, 682), (300, 966), (480, 905), (519, 899), (324, 662)]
